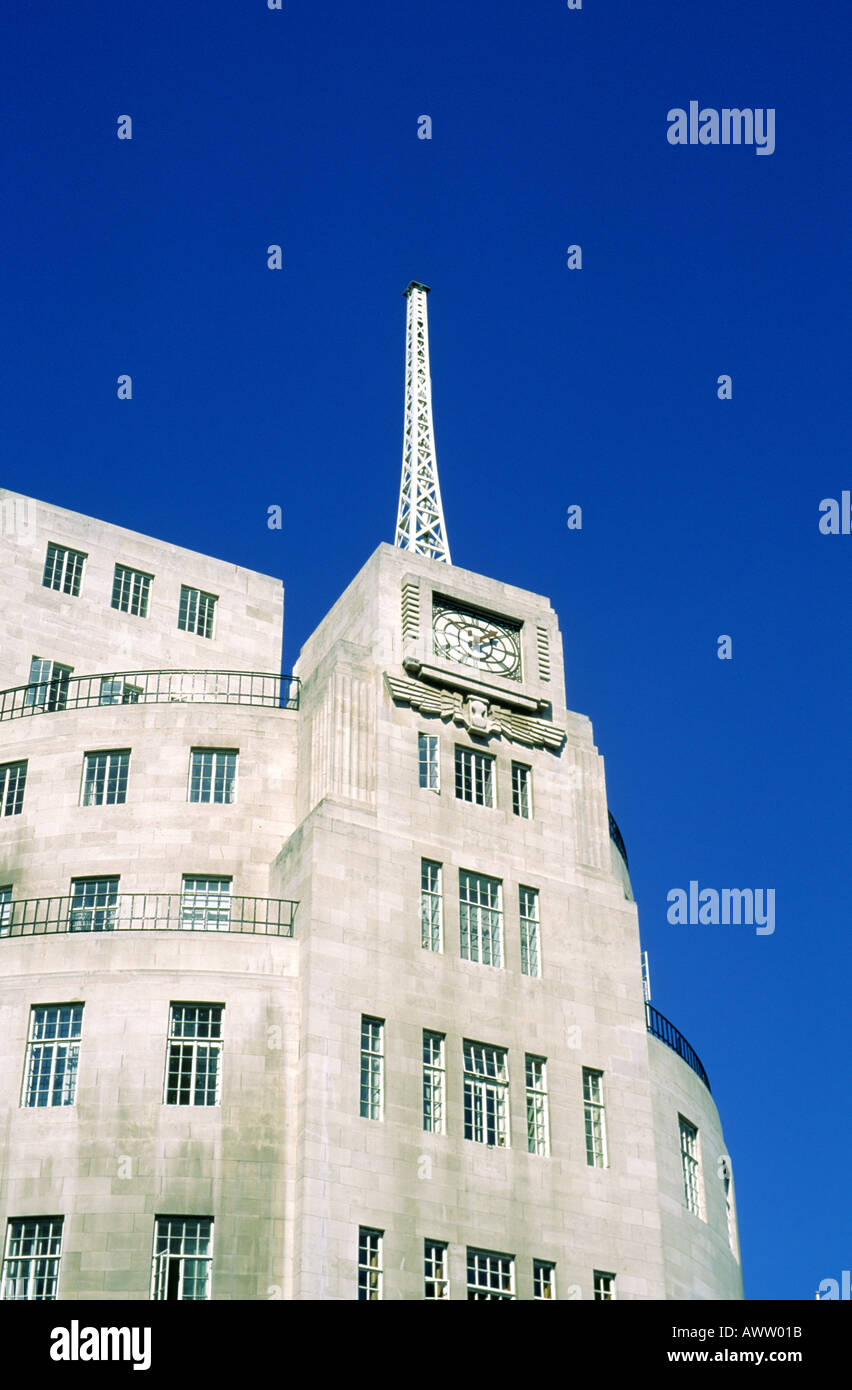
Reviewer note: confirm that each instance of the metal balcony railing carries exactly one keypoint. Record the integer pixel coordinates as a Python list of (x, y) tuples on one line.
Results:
[(151, 688), (615, 836), (114, 911), (660, 1027)]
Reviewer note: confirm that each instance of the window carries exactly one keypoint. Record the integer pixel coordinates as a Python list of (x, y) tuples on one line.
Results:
[(205, 903), (593, 1108), (63, 569), (194, 1055), (604, 1285), (13, 780), (431, 906), (47, 686), (196, 611), (538, 1126), (489, 1275), (690, 1165), (481, 918), (372, 1067), (434, 1072), (105, 778), (486, 1094), (130, 591), (544, 1279), (53, 1048), (115, 691), (474, 777), (369, 1264), (213, 775), (31, 1260), (6, 909), (521, 790), (427, 748), (435, 1273), (530, 949), (93, 904), (183, 1258)]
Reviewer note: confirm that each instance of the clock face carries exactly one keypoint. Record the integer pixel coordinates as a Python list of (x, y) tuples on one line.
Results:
[(474, 639)]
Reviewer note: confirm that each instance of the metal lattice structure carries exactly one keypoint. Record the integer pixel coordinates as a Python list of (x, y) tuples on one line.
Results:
[(420, 519)]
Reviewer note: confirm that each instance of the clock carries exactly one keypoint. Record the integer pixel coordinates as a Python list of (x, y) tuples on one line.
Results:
[(477, 639)]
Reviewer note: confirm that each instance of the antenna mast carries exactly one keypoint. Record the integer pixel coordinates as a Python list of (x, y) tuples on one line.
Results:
[(420, 519)]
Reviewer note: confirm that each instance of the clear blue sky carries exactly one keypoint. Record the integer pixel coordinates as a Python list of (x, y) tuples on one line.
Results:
[(552, 387)]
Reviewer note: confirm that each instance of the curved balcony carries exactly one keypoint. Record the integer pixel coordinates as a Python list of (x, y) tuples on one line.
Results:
[(660, 1027), (110, 910), (187, 686)]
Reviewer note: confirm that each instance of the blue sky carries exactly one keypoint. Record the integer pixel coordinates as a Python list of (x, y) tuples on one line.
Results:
[(552, 387)]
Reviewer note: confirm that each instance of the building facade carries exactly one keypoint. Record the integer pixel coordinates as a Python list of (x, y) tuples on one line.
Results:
[(322, 987)]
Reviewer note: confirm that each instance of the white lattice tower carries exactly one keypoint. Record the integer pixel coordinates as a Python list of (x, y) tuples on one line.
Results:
[(420, 519)]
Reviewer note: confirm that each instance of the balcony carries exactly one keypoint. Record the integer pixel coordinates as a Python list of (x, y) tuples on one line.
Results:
[(110, 910), (187, 687), (659, 1027)]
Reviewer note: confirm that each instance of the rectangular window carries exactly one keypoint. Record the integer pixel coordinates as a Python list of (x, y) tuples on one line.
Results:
[(6, 909), (530, 946), (130, 591), (604, 1285), (434, 1075), (690, 1165), (213, 775), (369, 1264), (372, 1067), (521, 790), (538, 1121), (105, 778), (436, 1278), (93, 904), (53, 1049), (194, 1055), (63, 569), (183, 1258), (593, 1114), (196, 611), (205, 903), (13, 780), (544, 1279), (481, 918), (115, 691), (475, 777), (427, 749), (31, 1259), (431, 906), (486, 1094), (47, 686), (489, 1275)]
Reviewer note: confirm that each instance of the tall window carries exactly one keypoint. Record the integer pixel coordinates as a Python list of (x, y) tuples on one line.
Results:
[(130, 591), (434, 1077), (369, 1264), (47, 686), (593, 1114), (105, 778), (604, 1285), (431, 906), (475, 777), (31, 1259), (93, 904), (213, 774), (53, 1049), (183, 1258), (196, 611), (530, 944), (521, 790), (481, 918), (194, 1055), (544, 1279), (486, 1094), (436, 1278), (205, 903), (13, 780), (6, 909), (63, 569), (372, 1067), (538, 1125), (690, 1166), (489, 1275), (427, 750)]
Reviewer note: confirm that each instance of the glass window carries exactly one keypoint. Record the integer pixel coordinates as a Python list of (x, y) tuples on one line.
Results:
[(130, 591), (213, 775), (183, 1258), (13, 780), (486, 1094), (538, 1125), (32, 1256), (63, 569), (474, 777), (205, 903), (196, 611), (427, 749), (593, 1112), (434, 1076), (53, 1050), (521, 790), (436, 1279), (481, 918), (490, 1275), (372, 1067), (194, 1054), (93, 904), (369, 1264), (431, 906), (530, 947), (105, 778), (544, 1279)]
